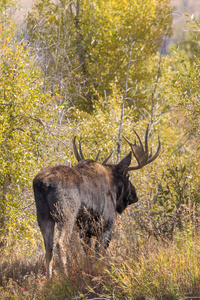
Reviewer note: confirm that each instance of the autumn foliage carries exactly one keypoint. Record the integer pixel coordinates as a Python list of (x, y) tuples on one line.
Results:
[(98, 69)]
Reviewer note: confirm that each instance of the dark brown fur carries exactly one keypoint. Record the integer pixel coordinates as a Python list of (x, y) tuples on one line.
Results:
[(88, 194)]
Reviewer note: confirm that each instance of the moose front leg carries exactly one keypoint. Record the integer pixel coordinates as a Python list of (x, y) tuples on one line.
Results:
[(103, 239), (107, 232), (107, 238)]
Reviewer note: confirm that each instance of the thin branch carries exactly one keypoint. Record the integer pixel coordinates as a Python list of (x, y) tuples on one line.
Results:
[(123, 104), (23, 208), (175, 152), (157, 78), (155, 88)]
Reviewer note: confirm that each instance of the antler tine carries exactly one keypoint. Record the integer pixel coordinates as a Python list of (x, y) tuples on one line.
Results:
[(150, 155), (80, 150), (157, 152), (146, 138), (97, 157), (141, 153), (138, 139), (132, 148), (75, 150), (107, 158)]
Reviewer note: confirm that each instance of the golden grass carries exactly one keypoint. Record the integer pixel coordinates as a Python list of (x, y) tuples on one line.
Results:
[(165, 271), (157, 269)]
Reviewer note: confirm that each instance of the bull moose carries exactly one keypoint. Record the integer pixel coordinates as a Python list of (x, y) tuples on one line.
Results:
[(88, 193)]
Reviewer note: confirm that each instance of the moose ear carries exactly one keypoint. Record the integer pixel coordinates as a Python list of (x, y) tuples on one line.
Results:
[(124, 163)]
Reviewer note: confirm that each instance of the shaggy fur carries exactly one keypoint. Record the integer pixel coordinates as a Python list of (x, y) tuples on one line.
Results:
[(88, 194)]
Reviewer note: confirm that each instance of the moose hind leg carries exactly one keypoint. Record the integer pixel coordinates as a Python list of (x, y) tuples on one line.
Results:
[(61, 248), (47, 229), (63, 241)]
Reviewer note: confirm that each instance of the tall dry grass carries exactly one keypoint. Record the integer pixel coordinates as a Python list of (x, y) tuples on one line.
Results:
[(134, 267), (162, 270)]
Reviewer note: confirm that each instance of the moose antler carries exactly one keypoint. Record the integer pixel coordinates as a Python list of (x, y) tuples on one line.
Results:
[(79, 154), (141, 152), (107, 158)]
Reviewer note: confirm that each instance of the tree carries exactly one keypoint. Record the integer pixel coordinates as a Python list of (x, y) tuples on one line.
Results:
[(173, 203), (181, 73), (84, 46), (24, 112)]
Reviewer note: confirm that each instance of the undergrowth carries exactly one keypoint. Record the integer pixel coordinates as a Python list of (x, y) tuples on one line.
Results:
[(163, 269)]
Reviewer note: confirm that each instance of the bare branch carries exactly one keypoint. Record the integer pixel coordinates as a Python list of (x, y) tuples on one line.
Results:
[(123, 103)]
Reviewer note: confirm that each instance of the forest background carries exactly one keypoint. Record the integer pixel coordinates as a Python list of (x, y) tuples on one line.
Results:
[(98, 70)]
